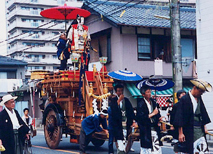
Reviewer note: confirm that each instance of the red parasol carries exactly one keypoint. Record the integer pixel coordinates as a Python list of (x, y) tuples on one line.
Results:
[(64, 13)]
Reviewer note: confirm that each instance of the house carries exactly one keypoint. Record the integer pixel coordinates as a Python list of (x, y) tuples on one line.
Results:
[(12, 75), (132, 36)]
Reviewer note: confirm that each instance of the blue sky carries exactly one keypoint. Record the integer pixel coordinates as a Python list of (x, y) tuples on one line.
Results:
[(2, 28)]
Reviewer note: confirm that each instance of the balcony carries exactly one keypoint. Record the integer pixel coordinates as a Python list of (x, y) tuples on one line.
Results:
[(52, 25), (36, 2), (31, 49), (20, 12)]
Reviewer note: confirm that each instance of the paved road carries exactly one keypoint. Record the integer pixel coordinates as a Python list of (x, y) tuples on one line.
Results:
[(65, 147)]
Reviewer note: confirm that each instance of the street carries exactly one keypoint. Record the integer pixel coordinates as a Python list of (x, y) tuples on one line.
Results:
[(40, 146)]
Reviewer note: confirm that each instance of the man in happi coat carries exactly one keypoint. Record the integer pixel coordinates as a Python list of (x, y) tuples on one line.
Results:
[(62, 51), (90, 125), (122, 118), (191, 118), (13, 129), (174, 130), (148, 117)]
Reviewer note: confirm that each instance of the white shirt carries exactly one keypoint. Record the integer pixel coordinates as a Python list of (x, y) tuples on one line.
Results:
[(13, 118), (194, 102), (25, 120), (121, 102), (149, 106)]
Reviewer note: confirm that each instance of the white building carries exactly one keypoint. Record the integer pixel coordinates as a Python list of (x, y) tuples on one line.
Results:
[(204, 20), (30, 36)]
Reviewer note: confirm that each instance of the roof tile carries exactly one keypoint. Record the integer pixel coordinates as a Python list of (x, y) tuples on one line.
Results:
[(141, 14)]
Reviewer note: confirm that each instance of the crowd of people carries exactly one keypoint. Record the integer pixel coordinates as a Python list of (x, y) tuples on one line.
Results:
[(188, 118)]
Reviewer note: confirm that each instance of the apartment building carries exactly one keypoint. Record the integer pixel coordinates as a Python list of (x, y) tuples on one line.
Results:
[(31, 37)]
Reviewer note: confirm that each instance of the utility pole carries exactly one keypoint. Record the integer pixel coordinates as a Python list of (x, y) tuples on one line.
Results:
[(176, 47)]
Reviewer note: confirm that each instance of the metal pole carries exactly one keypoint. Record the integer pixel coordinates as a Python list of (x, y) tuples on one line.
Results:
[(176, 47)]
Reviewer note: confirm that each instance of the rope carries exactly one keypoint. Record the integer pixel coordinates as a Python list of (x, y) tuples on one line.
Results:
[(166, 123), (104, 96)]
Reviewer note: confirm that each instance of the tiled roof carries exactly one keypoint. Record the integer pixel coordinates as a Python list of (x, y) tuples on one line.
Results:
[(137, 14), (10, 61)]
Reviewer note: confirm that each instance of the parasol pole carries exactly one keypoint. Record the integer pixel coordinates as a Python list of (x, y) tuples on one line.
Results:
[(65, 21), (65, 25), (74, 71)]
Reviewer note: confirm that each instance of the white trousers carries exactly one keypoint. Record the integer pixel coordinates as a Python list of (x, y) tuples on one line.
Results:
[(200, 146), (155, 144), (122, 143)]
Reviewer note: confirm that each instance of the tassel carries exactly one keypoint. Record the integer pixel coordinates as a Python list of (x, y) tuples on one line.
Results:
[(102, 18), (122, 13)]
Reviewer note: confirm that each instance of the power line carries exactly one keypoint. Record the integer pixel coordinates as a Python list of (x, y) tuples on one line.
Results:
[(26, 32), (103, 13), (30, 29), (116, 10), (127, 6), (36, 45)]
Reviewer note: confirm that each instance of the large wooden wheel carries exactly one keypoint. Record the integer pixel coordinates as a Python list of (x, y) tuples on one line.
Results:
[(52, 131)]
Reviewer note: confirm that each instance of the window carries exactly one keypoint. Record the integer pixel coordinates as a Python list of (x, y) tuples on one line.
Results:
[(43, 56), (8, 75), (11, 75), (35, 1), (3, 75), (102, 43), (29, 68), (187, 47), (108, 48), (144, 50), (29, 56), (25, 8), (55, 57), (55, 67), (23, 20), (33, 44), (55, 33)]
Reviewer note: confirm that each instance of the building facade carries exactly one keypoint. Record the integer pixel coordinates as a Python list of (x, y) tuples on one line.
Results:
[(132, 37), (204, 45), (30, 36), (11, 75), (135, 39)]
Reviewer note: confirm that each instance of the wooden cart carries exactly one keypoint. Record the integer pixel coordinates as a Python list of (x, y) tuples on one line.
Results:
[(64, 114)]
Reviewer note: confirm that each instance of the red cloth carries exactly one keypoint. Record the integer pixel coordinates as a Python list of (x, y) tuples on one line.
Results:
[(161, 100)]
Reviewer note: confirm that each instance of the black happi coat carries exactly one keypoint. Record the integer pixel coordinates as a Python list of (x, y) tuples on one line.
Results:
[(6, 131), (144, 123), (184, 117), (172, 117), (117, 118)]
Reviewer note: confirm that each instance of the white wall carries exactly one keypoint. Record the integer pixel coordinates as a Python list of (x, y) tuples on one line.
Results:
[(204, 48), (7, 85)]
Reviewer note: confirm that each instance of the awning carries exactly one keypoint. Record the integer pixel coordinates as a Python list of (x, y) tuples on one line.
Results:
[(135, 92), (170, 91)]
